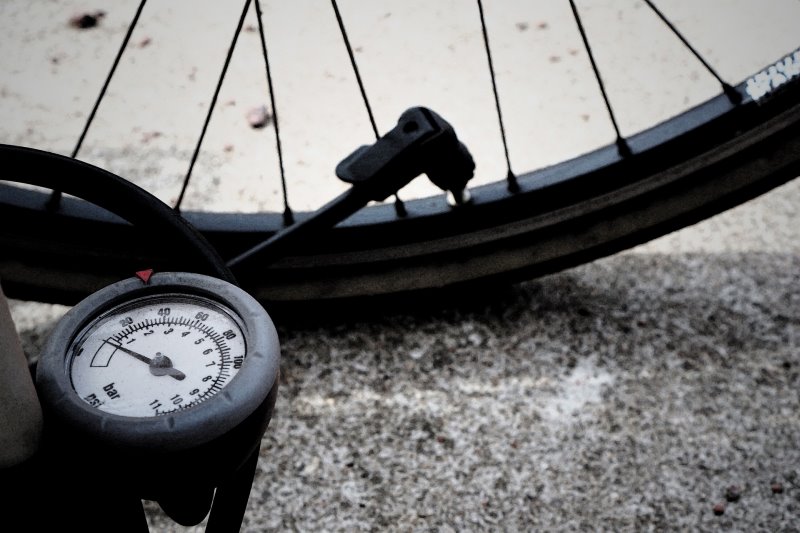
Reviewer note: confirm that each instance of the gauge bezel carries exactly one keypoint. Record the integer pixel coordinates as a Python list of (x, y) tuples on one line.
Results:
[(188, 428)]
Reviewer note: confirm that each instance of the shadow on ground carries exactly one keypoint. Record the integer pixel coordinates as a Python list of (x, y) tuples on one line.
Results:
[(626, 394)]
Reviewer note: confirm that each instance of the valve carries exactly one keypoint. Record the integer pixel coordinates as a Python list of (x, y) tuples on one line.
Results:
[(422, 142)]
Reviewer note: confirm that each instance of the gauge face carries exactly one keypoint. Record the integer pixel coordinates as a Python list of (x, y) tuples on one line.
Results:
[(156, 355)]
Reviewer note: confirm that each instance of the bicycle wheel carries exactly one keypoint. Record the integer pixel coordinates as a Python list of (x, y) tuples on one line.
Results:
[(698, 163)]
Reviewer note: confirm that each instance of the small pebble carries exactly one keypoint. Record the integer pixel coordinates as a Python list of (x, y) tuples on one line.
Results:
[(86, 20), (258, 117), (733, 493), (719, 509)]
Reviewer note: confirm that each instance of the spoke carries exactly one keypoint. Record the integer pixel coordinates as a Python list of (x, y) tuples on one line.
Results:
[(732, 94), (398, 203), (55, 198), (511, 178), (622, 145), (354, 64), (288, 217), (188, 177)]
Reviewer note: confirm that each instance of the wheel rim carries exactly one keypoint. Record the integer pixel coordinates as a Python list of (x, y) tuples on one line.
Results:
[(377, 237)]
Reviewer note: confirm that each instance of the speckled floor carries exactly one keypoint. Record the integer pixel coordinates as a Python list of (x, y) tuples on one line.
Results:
[(628, 394)]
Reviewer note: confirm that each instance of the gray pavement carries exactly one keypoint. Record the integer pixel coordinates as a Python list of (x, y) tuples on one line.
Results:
[(624, 395), (627, 394)]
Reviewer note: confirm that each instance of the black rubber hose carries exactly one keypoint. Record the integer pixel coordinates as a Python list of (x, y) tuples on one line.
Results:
[(119, 196)]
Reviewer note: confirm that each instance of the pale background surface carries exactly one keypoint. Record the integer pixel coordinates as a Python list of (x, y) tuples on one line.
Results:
[(626, 394)]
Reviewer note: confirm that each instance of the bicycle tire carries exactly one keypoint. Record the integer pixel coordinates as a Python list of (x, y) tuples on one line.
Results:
[(704, 161)]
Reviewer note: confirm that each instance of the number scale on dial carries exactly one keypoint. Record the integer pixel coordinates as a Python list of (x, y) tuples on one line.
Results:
[(157, 355)]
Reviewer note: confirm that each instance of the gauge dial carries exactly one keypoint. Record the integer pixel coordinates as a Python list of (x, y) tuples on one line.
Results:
[(156, 355)]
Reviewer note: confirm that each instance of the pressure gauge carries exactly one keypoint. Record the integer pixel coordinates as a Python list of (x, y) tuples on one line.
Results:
[(167, 380), (156, 355)]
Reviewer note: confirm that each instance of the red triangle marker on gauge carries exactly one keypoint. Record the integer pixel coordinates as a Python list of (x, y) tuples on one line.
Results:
[(144, 275)]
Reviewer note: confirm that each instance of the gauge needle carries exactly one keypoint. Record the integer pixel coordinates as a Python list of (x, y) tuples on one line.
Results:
[(160, 365)]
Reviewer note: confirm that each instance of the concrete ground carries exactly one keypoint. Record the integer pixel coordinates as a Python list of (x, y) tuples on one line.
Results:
[(628, 394)]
